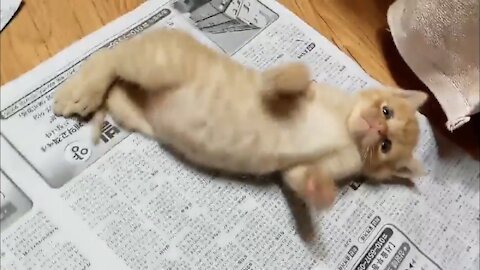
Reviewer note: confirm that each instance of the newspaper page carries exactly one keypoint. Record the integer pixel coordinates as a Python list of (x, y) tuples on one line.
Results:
[(127, 204)]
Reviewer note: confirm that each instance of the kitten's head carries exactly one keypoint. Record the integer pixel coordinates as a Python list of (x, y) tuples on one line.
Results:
[(386, 130)]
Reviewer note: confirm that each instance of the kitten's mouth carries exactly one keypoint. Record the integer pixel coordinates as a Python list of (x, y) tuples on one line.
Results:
[(366, 130), (362, 130), (364, 126)]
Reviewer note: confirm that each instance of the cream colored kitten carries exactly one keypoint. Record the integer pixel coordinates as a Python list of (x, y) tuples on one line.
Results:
[(384, 132), (223, 115)]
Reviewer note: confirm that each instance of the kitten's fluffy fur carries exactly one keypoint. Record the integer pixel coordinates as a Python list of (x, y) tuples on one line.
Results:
[(223, 115)]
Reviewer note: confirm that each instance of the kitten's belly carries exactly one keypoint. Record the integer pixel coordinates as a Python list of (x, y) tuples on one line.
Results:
[(241, 139), (206, 142)]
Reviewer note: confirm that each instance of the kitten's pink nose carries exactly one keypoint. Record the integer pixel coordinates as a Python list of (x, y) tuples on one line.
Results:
[(379, 127)]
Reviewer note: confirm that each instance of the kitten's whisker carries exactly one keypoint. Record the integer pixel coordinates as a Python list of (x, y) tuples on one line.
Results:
[(365, 153), (369, 155)]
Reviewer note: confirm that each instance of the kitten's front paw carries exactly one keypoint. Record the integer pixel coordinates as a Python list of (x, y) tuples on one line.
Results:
[(320, 190)]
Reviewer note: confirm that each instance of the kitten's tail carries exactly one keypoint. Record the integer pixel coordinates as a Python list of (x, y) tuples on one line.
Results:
[(291, 80)]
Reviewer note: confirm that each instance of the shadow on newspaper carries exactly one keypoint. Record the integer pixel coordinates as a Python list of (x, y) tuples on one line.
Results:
[(299, 210)]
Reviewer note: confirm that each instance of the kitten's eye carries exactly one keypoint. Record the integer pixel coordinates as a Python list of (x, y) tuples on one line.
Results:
[(386, 146), (387, 112)]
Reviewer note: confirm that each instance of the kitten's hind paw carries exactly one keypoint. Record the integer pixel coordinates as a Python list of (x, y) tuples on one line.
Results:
[(320, 190)]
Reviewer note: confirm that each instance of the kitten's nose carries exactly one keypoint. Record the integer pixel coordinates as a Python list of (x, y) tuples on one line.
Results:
[(381, 128), (377, 126)]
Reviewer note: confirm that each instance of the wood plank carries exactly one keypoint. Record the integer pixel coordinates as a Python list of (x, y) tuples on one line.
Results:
[(42, 28)]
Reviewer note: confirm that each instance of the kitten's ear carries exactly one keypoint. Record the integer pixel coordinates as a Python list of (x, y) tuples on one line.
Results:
[(414, 97), (410, 169)]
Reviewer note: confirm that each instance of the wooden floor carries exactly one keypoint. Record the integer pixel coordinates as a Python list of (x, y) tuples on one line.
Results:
[(44, 27)]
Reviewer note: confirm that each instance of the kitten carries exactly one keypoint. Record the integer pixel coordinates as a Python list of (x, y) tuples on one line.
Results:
[(384, 132), (223, 115)]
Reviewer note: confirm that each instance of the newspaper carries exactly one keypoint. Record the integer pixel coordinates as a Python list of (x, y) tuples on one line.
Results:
[(8, 8), (128, 204)]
